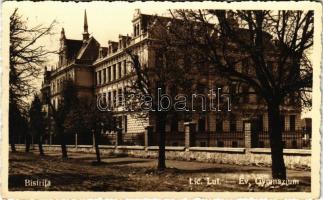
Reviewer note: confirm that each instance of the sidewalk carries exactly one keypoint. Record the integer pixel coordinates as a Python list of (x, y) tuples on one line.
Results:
[(138, 174)]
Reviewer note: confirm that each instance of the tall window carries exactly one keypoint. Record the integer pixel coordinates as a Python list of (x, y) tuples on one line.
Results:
[(61, 84), (292, 122), (119, 122), (233, 124), (114, 72), (201, 124), (119, 70), (260, 123), (114, 98), (124, 67), (57, 86), (104, 99), (136, 30), (120, 97), (109, 74), (109, 98), (96, 78), (219, 124), (60, 60), (125, 122), (100, 77), (104, 76)]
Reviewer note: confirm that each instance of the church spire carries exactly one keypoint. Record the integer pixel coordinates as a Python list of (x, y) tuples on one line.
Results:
[(85, 32)]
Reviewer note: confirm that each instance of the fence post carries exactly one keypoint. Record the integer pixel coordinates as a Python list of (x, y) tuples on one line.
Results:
[(75, 140), (148, 135), (247, 135), (50, 138), (93, 139), (119, 137), (32, 142), (189, 128)]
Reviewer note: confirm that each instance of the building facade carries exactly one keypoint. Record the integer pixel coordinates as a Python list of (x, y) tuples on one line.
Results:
[(105, 71)]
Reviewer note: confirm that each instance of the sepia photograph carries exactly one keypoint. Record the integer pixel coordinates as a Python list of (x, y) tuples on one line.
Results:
[(161, 97)]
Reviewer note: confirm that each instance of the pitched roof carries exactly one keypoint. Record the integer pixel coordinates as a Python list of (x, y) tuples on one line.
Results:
[(83, 48), (73, 47), (89, 50)]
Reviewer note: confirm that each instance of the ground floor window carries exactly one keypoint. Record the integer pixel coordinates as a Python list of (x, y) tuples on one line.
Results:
[(292, 122), (233, 124), (125, 119), (201, 124), (174, 124), (219, 124)]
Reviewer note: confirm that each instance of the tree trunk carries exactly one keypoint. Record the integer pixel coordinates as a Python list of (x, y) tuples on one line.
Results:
[(63, 143), (13, 146), (40, 146), (64, 149), (161, 130), (160, 124), (275, 134), (27, 138), (97, 149)]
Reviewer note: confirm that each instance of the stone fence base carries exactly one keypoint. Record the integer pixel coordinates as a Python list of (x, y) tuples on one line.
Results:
[(294, 158)]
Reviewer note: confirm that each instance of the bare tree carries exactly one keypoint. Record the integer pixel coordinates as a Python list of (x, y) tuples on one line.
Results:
[(274, 43), (26, 61), (85, 118), (169, 75), (61, 111), (97, 122), (37, 122)]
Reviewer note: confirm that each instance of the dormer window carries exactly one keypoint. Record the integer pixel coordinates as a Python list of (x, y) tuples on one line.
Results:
[(136, 30), (60, 60)]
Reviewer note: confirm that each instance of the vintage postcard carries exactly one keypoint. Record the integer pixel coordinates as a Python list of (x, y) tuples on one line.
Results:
[(169, 100)]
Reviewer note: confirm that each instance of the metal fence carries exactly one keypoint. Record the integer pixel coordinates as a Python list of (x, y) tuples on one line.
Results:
[(136, 139), (291, 139), (171, 139), (220, 139), (299, 139), (202, 139)]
